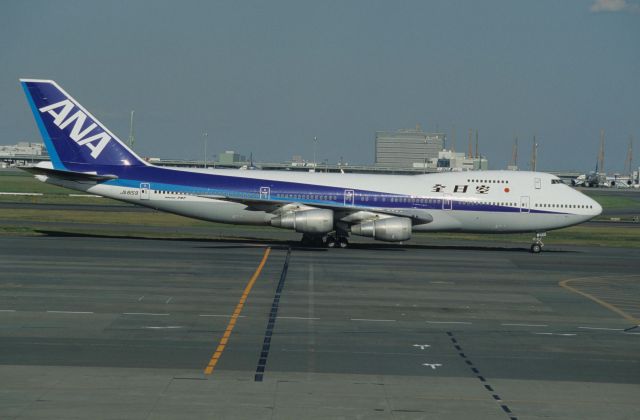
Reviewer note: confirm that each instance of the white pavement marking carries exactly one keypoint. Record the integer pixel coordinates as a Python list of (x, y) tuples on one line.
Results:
[(169, 327), (441, 282), (432, 365), (600, 328), (448, 322), (222, 316), (140, 298), (85, 195), (373, 320), (525, 325), (295, 317), (7, 310), (143, 313), (311, 302), (69, 312), (422, 346), (311, 326), (15, 193), (169, 300), (561, 334)]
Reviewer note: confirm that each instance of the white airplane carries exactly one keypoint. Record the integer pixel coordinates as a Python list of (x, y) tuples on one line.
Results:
[(325, 207), (602, 180)]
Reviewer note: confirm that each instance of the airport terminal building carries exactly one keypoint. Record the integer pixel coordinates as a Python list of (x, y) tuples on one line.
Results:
[(22, 153), (402, 148)]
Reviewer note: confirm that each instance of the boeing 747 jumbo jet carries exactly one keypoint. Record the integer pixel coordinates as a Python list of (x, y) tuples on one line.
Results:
[(325, 207)]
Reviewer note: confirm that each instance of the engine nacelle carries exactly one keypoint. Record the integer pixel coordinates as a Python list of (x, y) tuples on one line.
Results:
[(392, 229), (306, 221)]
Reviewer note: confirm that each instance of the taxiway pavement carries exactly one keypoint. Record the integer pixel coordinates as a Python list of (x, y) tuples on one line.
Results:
[(98, 327)]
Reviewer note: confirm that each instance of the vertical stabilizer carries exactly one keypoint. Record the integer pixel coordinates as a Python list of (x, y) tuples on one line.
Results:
[(74, 138)]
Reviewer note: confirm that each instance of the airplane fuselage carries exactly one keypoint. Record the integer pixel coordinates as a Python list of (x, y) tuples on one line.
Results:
[(477, 201)]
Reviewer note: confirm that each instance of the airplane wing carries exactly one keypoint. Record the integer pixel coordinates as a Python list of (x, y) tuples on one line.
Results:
[(347, 214)]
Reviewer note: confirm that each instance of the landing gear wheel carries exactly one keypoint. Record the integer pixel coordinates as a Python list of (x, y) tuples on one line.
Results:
[(336, 240), (537, 245)]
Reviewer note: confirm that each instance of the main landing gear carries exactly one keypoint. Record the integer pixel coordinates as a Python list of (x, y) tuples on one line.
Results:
[(337, 241), (333, 240), (537, 245)]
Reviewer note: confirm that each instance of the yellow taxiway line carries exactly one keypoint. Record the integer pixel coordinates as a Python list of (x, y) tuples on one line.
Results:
[(236, 313), (565, 284)]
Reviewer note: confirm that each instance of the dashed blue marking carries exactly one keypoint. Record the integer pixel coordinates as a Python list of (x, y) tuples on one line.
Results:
[(273, 314)]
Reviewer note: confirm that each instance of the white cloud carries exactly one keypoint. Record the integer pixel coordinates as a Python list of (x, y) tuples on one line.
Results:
[(614, 6)]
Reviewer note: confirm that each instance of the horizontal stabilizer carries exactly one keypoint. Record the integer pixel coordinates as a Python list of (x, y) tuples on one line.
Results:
[(68, 175)]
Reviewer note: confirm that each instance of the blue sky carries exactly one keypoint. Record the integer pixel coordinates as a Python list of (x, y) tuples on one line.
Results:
[(267, 76)]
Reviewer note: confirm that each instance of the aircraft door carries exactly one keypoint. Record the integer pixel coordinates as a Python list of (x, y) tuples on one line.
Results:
[(144, 191), (349, 197), (525, 206), (447, 202), (538, 183), (265, 193)]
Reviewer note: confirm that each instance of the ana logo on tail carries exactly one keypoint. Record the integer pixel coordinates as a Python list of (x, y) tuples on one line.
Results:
[(96, 143)]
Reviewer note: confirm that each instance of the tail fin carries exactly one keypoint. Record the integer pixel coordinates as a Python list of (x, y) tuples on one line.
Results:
[(74, 138)]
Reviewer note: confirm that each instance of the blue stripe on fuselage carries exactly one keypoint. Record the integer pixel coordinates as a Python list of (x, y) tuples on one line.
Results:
[(194, 183)]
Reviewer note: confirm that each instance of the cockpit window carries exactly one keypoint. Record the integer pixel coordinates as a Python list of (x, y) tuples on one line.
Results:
[(556, 181)]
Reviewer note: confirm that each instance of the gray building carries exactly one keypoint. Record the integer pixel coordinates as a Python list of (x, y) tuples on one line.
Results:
[(404, 148), (230, 157), (22, 153), (24, 148)]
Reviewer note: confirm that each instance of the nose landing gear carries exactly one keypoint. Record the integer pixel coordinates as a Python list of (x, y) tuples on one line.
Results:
[(537, 245)]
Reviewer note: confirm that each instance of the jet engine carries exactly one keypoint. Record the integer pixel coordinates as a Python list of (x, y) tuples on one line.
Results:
[(392, 229), (306, 221)]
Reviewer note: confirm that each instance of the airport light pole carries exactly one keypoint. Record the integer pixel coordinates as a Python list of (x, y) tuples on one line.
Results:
[(131, 137), (205, 135), (315, 146)]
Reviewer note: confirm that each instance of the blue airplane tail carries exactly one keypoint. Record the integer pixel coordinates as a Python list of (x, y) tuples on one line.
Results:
[(74, 138)]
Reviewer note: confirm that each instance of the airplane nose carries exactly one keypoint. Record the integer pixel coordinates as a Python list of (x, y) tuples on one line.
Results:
[(597, 208)]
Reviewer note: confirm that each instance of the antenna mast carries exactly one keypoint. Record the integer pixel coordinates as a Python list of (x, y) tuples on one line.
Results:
[(628, 164), (132, 139), (601, 153), (453, 139), (534, 155), (477, 156)]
